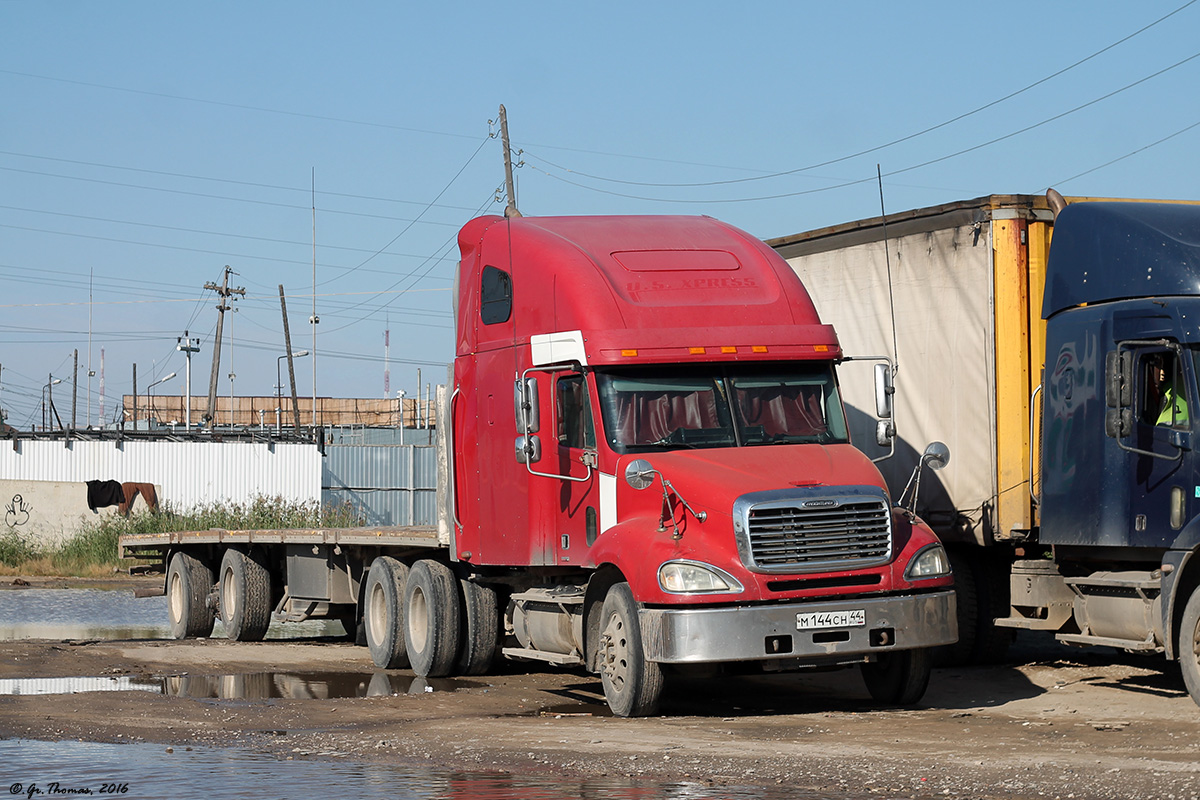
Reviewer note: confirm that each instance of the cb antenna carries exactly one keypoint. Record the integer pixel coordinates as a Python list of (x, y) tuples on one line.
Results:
[(510, 210), (887, 257)]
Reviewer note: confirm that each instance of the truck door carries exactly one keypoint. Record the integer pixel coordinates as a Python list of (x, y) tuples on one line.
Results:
[(1159, 460), (577, 496)]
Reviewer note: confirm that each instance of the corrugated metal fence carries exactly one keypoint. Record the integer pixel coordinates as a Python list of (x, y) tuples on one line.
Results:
[(386, 484)]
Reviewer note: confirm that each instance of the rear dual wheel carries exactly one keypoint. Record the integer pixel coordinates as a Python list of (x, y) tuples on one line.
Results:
[(189, 583), (383, 616), (432, 618), (245, 594)]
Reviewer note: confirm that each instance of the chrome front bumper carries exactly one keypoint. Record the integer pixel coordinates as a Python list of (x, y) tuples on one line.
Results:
[(762, 632)]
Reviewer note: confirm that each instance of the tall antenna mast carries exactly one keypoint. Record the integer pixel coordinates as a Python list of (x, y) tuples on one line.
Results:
[(387, 361), (314, 319), (510, 188), (887, 256), (89, 360)]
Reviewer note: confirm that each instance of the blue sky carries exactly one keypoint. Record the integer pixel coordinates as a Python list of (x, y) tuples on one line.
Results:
[(145, 146)]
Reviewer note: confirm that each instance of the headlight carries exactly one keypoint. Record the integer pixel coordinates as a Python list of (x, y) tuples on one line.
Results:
[(692, 577), (932, 562)]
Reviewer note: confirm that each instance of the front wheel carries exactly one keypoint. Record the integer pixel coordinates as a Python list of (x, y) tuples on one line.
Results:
[(899, 677), (189, 582), (632, 685), (1189, 646)]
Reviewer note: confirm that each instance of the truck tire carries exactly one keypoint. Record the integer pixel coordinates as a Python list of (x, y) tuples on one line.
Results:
[(245, 596), (632, 685), (993, 597), (966, 599), (899, 677), (432, 618), (480, 628), (1189, 646), (189, 582), (383, 612)]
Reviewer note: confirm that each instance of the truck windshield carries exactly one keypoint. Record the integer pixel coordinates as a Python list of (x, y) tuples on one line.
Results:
[(735, 405)]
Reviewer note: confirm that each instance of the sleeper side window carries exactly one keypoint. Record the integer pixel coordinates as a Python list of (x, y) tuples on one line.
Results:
[(495, 296)]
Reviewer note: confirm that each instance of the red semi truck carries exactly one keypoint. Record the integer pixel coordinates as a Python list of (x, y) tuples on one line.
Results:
[(645, 467)]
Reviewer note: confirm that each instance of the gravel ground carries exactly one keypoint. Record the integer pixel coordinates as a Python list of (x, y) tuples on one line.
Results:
[(1054, 722)]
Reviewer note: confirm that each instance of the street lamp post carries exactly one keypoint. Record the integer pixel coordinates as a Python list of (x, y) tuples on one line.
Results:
[(47, 390), (150, 394), (188, 346), (279, 389)]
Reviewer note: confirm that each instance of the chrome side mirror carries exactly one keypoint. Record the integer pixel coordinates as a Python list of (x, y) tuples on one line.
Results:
[(883, 391), (885, 432), (525, 403), (639, 474), (936, 455), (528, 449)]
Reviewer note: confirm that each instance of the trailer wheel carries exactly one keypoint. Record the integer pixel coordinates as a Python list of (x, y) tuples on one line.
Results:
[(189, 582), (432, 618), (1189, 646), (245, 596), (966, 606), (383, 615), (632, 685), (480, 630), (899, 677)]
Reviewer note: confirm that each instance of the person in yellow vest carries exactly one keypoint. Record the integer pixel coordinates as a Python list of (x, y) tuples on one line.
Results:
[(1174, 401)]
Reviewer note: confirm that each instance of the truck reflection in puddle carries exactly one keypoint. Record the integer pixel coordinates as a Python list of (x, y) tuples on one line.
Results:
[(246, 686), (304, 685)]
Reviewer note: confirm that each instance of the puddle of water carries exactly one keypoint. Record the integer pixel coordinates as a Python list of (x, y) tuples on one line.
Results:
[(245, 686), (33, 768), (112, 614)]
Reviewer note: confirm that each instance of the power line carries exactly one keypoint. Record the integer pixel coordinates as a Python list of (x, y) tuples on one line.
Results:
[(230, 181), (911, 168), (893, 142), (239, 106), (1127, 155), (221, 253), (408, 227), (203, 195), (176, 229)]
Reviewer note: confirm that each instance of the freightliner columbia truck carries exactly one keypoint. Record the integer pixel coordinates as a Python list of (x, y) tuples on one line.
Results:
[(1064, 377), (646, 467)]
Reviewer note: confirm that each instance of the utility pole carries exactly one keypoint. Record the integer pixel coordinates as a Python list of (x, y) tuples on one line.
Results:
[(287, 344), (187, 346), (510, 210), (135, 408), (223, 291)]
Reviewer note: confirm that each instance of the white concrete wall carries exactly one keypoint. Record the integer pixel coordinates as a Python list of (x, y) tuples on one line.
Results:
[(48, 513)]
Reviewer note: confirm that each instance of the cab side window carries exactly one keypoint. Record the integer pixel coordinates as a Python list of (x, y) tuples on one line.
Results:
[(1163, 399), (575, 427)]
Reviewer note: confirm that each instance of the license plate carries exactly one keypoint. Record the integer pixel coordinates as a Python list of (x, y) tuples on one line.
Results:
[(819, 620)]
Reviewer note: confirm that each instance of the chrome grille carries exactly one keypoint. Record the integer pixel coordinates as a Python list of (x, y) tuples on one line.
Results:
[(798, 535)]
